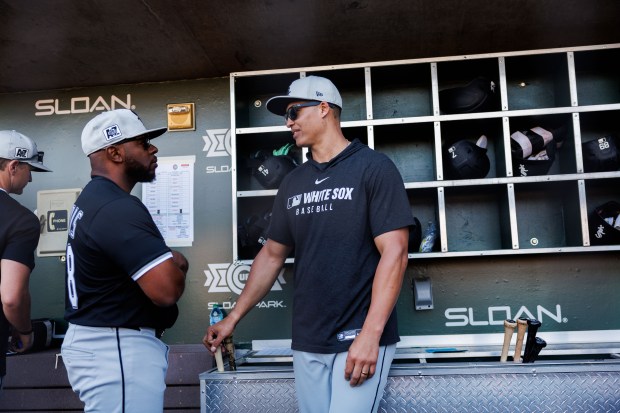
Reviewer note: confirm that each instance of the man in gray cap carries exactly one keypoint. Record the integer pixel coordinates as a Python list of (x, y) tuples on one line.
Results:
[(346, 214), (123, 282), (19, 236)]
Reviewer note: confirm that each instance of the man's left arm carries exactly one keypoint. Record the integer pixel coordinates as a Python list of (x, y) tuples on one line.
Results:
[(386, 287)]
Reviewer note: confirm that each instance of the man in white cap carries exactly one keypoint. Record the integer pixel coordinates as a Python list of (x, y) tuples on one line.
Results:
[(19, 236), (123, 282), (346, 214)]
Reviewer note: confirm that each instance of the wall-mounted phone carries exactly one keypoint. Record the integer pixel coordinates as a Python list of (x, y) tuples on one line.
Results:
[(54, 210)]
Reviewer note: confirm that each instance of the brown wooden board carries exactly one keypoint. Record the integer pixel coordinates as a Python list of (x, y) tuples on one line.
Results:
[(38, 382)]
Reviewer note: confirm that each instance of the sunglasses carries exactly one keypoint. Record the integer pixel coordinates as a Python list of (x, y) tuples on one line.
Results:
[(37, 158), (146, 142), (293, 111)]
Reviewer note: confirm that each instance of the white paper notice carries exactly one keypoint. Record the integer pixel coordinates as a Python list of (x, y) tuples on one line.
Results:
[(170, 199)]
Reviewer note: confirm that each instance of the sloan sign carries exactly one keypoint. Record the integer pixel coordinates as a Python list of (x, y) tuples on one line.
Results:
[(81, 104), (459, 317)]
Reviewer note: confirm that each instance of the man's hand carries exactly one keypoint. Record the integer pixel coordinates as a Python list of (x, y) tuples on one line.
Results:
[(217, 333), (361, 359), (21, 342)]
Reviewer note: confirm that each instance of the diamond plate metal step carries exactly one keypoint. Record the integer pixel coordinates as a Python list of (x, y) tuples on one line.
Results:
[(592, 386)]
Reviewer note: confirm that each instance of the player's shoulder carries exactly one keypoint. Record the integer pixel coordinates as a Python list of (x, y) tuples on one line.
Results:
[(20, 215), (103, 197)]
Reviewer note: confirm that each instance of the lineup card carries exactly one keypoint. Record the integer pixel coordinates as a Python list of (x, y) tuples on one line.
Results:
[(170, 199)]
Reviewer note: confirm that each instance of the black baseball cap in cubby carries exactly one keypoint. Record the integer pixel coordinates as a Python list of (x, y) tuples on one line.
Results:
[(467, 160), (600, 155)]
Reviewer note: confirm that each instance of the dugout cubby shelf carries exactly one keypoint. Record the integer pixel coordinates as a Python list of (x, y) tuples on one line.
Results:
[(477, 218), (562, 125), (402, 91), (597, 79), (411, 147), (394, 107), (594, 125), (248, 145), (538, 81), (548, 214), (597, 189)]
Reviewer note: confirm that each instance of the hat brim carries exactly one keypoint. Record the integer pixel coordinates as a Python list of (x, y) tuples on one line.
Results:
[(150, 133), (38, 167), (277, 104)]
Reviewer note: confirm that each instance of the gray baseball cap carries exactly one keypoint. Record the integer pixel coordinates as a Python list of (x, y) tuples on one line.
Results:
[(306, 88), (15, 146), (112, 127)]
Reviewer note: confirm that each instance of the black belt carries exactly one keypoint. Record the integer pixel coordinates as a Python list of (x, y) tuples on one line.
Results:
[(158, 331)]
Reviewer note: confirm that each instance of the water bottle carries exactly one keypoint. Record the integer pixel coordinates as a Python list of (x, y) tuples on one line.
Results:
[(217, 315), (430, 234)]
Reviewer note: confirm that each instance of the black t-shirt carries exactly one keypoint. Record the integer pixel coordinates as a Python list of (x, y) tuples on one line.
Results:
[(19, 236), (331, 213), (112, 242)]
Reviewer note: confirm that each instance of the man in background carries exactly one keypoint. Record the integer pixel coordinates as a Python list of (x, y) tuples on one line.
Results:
[(19, 236)]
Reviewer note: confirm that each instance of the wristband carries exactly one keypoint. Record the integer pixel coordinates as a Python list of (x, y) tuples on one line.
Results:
[(25, 333)]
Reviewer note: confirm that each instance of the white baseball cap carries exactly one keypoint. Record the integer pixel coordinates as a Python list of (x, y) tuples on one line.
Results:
[(15, 146), (112, 127), (306, 88)]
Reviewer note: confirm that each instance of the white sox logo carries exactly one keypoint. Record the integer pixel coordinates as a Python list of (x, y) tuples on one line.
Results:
[(226, 278), (217, 143), (452, 151)]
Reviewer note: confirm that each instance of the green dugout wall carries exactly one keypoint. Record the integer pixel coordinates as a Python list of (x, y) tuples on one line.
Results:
[(471, 295)]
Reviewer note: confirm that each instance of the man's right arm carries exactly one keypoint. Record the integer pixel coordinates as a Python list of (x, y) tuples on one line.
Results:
[(263, 274)]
